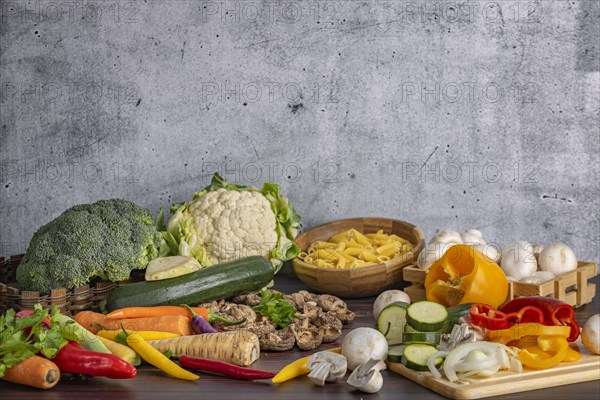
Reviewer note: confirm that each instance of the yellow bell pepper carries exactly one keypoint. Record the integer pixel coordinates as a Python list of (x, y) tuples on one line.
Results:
[(464, 275), (522, 333), (297, 368), (156, 358), (555, 347)]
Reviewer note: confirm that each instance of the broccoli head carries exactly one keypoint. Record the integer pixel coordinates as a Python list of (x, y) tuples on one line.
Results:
[(106, 239)]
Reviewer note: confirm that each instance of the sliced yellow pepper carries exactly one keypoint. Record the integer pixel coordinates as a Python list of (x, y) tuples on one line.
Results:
[(297, 368), (517, 332), (156, 358), (555, 347), (465, 275)]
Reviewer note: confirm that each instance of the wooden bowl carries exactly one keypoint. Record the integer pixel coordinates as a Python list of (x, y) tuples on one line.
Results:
[(362, 281)]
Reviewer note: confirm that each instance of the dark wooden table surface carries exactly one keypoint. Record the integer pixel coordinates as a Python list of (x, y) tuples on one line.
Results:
[(152, 384)]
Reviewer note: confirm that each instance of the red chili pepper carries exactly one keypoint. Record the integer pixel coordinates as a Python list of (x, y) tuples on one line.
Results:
[(487, 317), (223, 368), (556, 312), (74, 359)]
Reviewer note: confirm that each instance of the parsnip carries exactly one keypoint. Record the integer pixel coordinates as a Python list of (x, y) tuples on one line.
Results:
[(238, 347)]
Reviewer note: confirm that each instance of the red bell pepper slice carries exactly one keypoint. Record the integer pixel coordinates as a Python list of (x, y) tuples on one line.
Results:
[(526, 314), (556, 312), (488, 317)]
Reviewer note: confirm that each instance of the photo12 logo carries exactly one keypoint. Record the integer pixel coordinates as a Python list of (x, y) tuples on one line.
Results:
[(468, 92), (253, 92), (38, 11), (469, 171), (269, 11), (69, 92), (272, 171)]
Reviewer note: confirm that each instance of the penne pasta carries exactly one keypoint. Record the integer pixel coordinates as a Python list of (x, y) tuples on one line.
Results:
[(352, 249)]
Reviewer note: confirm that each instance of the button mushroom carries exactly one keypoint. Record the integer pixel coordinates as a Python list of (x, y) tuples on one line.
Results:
[(367, 377), (488, 250), (557, 258), (326, 366), (472, 236), (446, 236), (363, 344), (517, 261)]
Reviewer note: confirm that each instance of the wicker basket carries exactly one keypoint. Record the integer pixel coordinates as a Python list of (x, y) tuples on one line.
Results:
[(573, 287), (82, 298)]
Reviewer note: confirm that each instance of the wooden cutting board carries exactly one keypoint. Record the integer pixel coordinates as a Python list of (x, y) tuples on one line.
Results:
[(504, 382)]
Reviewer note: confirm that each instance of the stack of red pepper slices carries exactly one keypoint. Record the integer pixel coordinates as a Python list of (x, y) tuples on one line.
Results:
[(541, 310)]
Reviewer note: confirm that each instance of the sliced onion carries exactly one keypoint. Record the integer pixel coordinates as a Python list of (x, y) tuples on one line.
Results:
[(475, 365), (515, 365), (431, 363), (457, 356)]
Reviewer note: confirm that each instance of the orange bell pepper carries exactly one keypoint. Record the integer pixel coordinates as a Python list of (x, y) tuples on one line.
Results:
[(464, 275)]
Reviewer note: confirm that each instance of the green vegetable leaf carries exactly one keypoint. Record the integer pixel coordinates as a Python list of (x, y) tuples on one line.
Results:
[(273, 306), (24, 337)]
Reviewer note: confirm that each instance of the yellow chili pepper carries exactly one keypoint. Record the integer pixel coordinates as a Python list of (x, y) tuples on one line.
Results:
[(146, 335), (520, 332), (555, 347), (156, 358), (464, 275), (297, 368)]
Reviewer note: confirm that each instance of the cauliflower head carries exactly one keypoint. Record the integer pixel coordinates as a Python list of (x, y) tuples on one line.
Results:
[(225, 222)]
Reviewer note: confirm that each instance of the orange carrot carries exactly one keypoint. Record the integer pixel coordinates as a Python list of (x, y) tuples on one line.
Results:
[(164, 323), (36, 371), (90, 320), (143, 312)]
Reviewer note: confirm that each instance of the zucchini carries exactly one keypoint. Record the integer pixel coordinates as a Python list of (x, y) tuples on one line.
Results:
[(422, 337), (220, 281), (415, 356), (391, 321), (426, 316), (395, 353), (408, 328), (454, 314)]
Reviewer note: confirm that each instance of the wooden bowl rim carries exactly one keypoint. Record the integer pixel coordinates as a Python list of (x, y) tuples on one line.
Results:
[(387, 266)]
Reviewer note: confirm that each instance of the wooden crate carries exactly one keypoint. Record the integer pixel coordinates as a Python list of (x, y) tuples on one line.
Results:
[(86, 297), (573, 287)]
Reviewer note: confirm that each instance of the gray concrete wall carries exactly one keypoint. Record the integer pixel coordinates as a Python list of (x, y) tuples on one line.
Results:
[(470, 114)]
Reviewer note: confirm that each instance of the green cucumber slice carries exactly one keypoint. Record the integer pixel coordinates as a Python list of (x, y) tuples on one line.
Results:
[(422, 337), (426, 316), (415, 356), (391, 321), (395, 353)]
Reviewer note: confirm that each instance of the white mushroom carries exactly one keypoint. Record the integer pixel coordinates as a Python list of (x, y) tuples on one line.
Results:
[(367, 377), (488, 250), (326, 366), (590, 334), (433, 252), (388, 297), (557, 258), (517, 261), (472, 236), (363, 344), (538, 277), (446, 236)]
